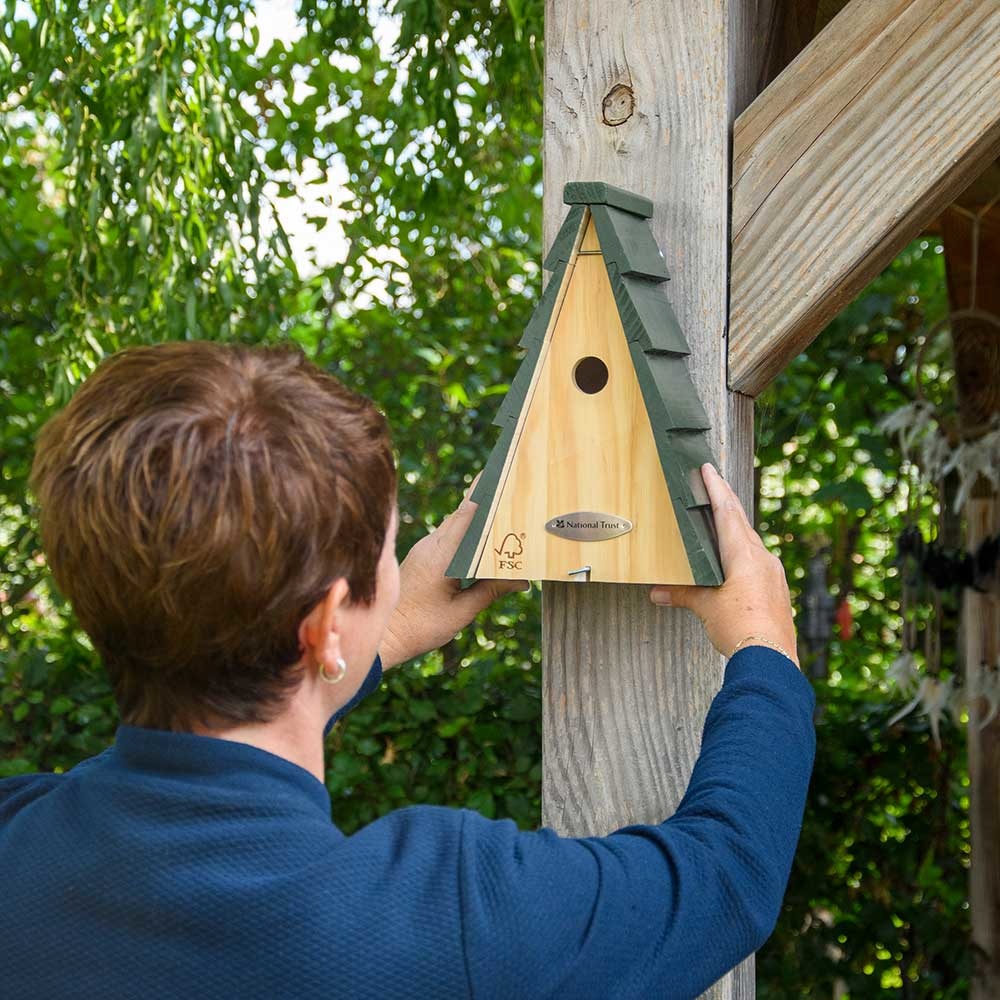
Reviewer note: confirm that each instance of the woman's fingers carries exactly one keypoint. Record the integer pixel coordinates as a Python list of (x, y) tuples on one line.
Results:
[(731, 524), (461, 516), (724, 497), (754, 600), (751, 531)]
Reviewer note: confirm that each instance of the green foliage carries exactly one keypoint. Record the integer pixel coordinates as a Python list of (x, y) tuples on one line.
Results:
[(879, 884), (471, 739), (145, 152), (830, 480), (147, 146), (878, 891)]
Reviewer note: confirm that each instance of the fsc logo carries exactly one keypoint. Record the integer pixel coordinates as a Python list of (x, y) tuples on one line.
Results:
[(510, 548)]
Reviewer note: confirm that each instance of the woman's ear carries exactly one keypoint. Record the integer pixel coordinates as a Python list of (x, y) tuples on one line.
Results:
[(319, 637)]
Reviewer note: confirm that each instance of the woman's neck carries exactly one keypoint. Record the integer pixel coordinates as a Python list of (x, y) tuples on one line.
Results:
[(296, 735)]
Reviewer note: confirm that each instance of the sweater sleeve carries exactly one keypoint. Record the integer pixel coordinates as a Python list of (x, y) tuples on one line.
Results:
[(652, 910)]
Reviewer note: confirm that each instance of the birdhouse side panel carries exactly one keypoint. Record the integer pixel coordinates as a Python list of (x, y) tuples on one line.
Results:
[(509, 418)]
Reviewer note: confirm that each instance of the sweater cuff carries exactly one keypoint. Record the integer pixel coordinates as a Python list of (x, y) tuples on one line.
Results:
[(764, 663)]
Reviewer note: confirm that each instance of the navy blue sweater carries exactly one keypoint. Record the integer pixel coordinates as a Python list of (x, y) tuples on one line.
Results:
[(175, 865)]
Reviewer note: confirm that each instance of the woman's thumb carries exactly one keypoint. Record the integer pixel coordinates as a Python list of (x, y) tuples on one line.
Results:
[(677, 596), (484, 592)]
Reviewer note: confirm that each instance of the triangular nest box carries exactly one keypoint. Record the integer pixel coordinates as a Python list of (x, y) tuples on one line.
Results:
[(596, 474)]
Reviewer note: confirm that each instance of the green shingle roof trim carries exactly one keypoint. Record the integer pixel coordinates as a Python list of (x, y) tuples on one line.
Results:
[(705, 567), (627, 241), (691, 451), (598, 193), (657, 347), (667, 378), (682, 453), (534, 335), (539, 322), (562, 246), (646, 314)]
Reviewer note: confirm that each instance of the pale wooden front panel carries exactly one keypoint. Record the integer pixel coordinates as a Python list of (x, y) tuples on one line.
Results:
[(591, 452), (590, 243)]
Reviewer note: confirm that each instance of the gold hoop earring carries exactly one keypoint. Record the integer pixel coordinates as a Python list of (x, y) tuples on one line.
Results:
[(341, 670)]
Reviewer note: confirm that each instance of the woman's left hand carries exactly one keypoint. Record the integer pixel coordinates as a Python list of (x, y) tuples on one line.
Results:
[(433, 607)]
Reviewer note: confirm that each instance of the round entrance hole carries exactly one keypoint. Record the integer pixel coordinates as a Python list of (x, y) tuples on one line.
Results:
[(590, 374)]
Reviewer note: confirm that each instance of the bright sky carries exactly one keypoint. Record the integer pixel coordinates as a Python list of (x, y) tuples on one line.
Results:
[(312, 248), (276, 20)]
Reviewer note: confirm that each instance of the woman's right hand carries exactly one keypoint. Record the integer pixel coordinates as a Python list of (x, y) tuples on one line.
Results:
[(754, 599)]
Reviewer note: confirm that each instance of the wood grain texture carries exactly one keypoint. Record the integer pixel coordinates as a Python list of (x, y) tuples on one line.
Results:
[(876, 125), (626, 684), (579, 451), (581, 222), (590, 242)]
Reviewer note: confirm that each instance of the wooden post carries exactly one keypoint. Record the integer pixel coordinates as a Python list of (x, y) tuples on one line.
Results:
[(643, 95), (976, 342)]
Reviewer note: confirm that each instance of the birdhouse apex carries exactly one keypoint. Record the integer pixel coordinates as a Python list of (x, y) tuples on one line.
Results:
[(602, 434)]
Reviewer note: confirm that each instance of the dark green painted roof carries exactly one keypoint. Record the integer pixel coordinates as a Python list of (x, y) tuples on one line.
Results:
[(646, 314), (562, 246), (598, 193), (658, 350), (627, 242)]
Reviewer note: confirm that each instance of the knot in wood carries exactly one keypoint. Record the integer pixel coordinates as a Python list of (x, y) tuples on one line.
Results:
[(618, 105)]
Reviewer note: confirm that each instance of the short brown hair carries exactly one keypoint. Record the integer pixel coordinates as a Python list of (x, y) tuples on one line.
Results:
[(196, 501)]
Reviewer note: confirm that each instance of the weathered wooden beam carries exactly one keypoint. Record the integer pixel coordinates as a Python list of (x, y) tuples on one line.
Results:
[(882, 120), (643, 95)]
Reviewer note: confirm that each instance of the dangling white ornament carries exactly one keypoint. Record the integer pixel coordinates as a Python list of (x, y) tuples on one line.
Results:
[(935, 702), (911, 704), (910, 423), (903, 672), (932, 696)]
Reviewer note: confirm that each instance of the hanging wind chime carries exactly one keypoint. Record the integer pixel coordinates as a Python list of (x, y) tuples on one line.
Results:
[(923, 562)]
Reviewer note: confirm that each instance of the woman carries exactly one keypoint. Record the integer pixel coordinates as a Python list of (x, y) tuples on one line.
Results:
[(223, 520)]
